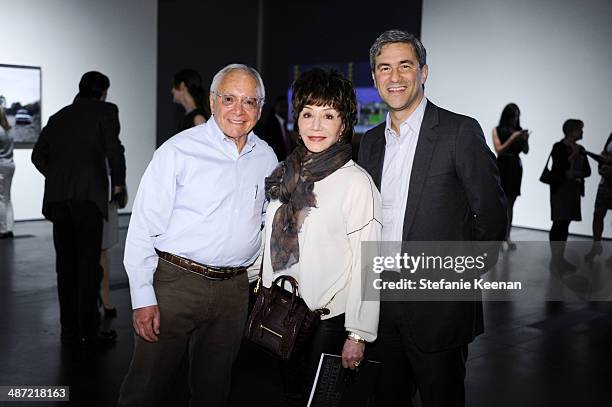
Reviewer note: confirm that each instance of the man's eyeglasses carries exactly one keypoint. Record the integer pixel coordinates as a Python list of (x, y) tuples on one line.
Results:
[(229, 100)]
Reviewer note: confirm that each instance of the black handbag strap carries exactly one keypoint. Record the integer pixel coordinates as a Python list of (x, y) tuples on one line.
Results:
[(548, 160)]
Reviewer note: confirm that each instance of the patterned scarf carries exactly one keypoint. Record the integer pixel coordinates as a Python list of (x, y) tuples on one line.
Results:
[(292, 183)]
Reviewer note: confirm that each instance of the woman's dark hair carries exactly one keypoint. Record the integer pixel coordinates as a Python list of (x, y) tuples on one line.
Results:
[(193, 81), (319, 87), (510, 117), (93, 84)]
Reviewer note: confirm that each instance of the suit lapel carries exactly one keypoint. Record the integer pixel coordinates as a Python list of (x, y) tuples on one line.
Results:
[(420, 166), (377, 155)]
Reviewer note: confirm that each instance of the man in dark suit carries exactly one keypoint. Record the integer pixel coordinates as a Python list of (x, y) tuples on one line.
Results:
[(439, 182), (274, 131), (72, 153)]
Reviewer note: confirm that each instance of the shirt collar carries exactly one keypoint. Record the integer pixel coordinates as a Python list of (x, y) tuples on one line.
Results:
[(413, 122), (218, 135)]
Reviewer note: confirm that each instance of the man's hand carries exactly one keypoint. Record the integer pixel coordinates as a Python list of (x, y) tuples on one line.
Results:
[(352, 354), (120, 196), (146, 322)]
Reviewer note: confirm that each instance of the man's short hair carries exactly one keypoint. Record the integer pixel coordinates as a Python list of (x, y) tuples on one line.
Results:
[(319, 87), (93, 84), (572, 125), (395, 36), (214, 86)]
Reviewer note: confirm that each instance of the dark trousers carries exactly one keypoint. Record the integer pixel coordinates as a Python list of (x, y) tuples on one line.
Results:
[(299, 372), (438, 376), (559, 231), (77, 236), (200, 318)]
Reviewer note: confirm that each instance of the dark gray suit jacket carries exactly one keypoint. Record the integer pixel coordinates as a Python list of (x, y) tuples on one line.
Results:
[(71, 153), (454, 195)]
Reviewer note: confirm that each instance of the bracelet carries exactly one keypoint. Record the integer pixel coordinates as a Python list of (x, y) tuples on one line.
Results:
[(355, 338)]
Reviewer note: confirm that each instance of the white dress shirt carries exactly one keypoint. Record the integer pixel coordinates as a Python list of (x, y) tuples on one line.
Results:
[(199, 199), (330, 268), (397, 167)]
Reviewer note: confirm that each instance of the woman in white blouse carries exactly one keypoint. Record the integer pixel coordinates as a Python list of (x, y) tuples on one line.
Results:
[(323, 206)]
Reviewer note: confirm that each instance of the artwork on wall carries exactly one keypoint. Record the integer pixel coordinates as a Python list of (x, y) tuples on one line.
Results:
[(20, 94)]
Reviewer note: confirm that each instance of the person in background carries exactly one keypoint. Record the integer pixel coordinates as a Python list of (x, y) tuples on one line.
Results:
[(110, 237), (603, 200), (274, 130), (187, 91), (71, 153), (570, 166), (7, 170), (509, 140), (323, 206)]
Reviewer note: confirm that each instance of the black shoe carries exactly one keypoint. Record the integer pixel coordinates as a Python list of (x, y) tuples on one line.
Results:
[(7, 235), (101, 338), (564, 265), (70, 340), (110, 312), (596, 250)]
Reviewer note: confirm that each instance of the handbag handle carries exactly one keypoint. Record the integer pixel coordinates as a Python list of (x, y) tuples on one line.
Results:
[(278, 284), (294, 288), (548, 160), (292, 281)]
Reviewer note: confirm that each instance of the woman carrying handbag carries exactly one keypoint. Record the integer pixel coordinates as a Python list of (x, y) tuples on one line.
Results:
[(323, 206), (569, 168)]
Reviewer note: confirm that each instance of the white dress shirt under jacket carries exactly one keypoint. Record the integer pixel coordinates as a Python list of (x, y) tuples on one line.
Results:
[(397, 167), (199, 199)]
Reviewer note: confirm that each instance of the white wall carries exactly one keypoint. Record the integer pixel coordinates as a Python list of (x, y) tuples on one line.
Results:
[(67, 38), (553, 59)]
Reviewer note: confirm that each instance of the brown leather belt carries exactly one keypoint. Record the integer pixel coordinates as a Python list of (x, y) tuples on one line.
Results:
[(209, 272)]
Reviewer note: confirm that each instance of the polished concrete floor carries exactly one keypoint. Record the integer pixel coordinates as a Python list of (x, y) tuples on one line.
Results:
[(534, 352)]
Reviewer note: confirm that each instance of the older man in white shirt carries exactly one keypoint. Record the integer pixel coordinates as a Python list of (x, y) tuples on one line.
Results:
[(195, 227)]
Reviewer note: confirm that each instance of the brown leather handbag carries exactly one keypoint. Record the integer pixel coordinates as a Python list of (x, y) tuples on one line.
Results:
[(281, 323)]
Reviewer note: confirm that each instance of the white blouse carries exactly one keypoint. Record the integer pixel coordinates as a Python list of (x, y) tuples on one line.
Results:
[(348, 212)]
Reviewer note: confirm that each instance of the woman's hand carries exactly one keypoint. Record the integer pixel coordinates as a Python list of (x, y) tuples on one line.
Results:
[(352, 354), (516, 134)]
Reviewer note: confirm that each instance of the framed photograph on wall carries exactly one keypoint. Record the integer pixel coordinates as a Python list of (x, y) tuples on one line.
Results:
[(20, 97)]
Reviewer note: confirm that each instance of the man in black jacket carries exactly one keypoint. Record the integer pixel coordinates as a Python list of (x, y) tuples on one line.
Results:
[(72, 153), (274, 131), (438, 182)]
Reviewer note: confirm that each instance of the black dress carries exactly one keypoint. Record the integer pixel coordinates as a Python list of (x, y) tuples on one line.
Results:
[(187, 121), (565, 196), (509, 163)]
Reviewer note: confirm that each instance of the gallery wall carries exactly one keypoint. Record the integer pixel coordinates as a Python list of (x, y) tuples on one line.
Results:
[(553, 59), (67, 38)]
